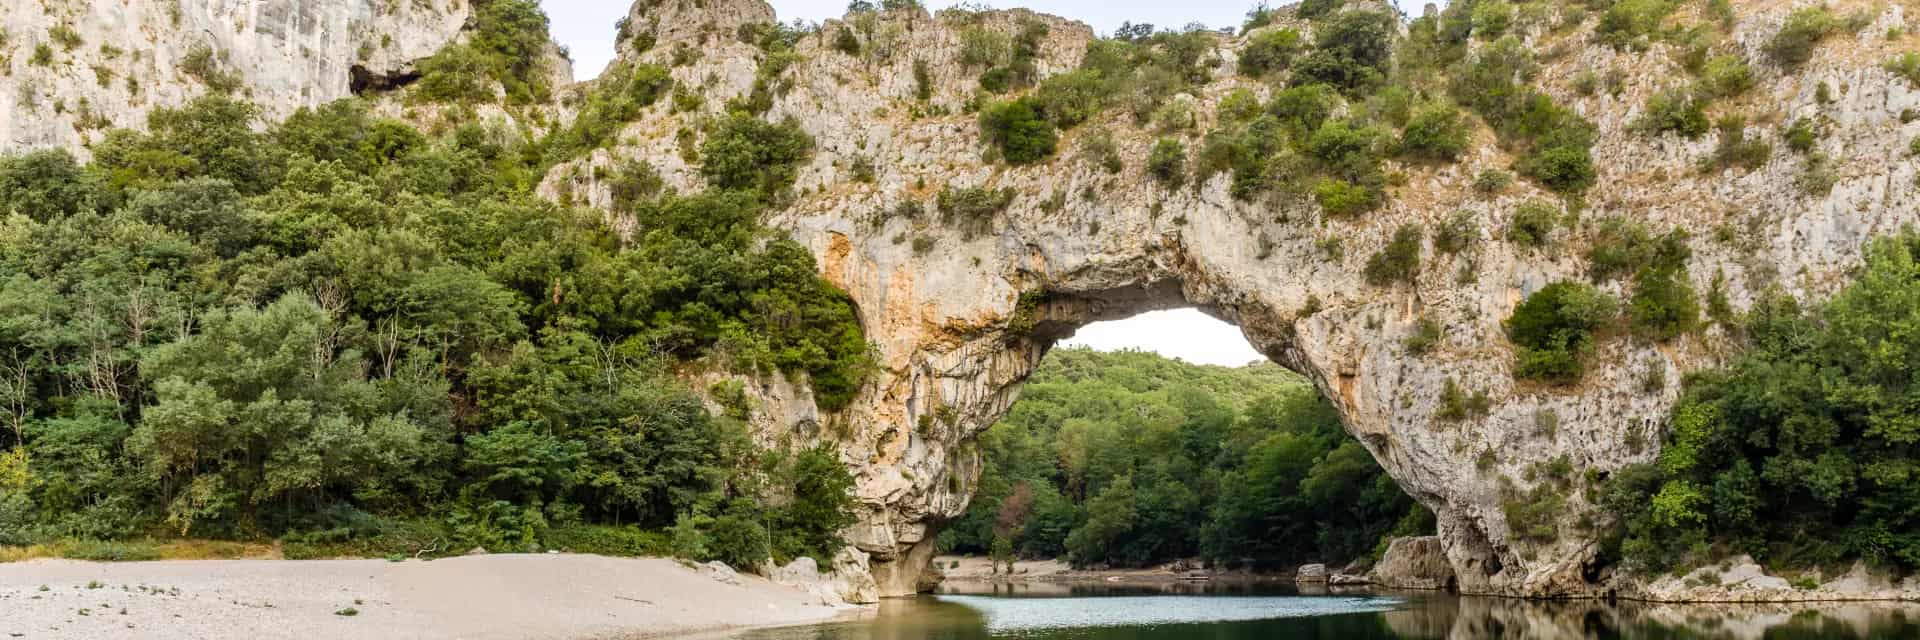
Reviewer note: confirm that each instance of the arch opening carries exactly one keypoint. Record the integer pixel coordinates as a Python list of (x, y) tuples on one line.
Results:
[(1153, 433)]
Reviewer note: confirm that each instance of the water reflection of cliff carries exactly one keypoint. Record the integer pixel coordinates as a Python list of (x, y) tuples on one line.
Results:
[(1442, 617)]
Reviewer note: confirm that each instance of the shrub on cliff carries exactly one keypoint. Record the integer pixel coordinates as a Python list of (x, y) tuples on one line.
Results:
[(745, 152), (1167, 163), (1553, 330), (507, 47), (1268, 52), (1016, 128), (1436, 132), (1399, 261), (1793, 44)]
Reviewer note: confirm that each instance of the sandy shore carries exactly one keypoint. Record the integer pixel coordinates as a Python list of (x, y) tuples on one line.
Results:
[(493, 596)]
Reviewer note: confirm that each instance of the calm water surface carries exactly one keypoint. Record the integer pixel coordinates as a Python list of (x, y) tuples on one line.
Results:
[(1101, 612)]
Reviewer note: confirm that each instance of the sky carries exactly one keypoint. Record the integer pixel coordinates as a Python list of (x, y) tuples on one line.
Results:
[(586, 28)]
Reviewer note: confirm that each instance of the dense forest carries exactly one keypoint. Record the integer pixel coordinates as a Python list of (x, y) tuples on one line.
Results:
[(1132, 459), (354, 337), (1805, 452)]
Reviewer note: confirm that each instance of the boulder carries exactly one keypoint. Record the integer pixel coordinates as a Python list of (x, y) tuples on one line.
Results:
[(1348, 580), (850, 582), (721, 572), (1414, 563), (1314, 573)]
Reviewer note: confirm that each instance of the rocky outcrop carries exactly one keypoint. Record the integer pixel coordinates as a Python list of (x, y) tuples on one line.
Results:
[(850, 581), (70, 70), (1414, 563), (1311, 573), (943, 303), (1089, 246), (1740, 579)]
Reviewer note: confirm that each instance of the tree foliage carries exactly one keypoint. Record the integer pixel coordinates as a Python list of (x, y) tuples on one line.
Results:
[(340, 328), (1130, 459), (1801, 451)]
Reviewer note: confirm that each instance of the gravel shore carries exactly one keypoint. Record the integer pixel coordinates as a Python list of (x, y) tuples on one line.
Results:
[(557, 596)]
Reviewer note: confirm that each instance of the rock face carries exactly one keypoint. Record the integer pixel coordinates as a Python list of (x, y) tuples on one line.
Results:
[(849, 582), (109, 63), (1090, 246), (1311, 573), (943, 303), (1740, 579), (1414, 563)]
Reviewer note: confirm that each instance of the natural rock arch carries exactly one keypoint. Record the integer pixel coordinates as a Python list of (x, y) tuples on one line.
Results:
[(941, 301)]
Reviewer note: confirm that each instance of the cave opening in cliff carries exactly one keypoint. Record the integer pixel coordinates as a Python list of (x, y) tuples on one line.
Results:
[(1164, 438)]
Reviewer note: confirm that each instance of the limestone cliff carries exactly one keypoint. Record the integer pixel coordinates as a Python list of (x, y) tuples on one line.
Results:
[(69, 70), (937, 301), (943, 304)]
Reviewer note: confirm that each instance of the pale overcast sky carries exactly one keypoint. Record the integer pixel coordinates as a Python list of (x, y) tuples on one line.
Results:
[(586, 28)]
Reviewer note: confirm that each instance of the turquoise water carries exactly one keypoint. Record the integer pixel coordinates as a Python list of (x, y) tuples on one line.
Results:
[(1099, 612)]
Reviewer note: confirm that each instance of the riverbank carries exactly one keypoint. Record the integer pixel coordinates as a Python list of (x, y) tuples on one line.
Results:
[(558, 596), (978, 569)]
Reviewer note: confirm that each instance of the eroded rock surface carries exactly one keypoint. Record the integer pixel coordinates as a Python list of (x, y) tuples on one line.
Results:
[(1100, 246), (941, 301), (112, 62), (1414, 563)]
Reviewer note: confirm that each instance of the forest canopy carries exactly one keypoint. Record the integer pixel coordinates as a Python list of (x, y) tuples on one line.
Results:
[(1130, 459), (340, 331)]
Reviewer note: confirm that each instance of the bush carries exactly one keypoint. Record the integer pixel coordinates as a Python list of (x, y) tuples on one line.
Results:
[(204, 64), (1626, 22), (847, 41), (1724, 77), (507, 47), (1777, 454), (1674, 111), (1664, 304), (1437, 132), (745, 152), (1906, 65), (1802, 135), (1167, 163), (1304, 108), (1566, 168), (738, 541), (1342, 198), (1399, 261), (1352, 52), (1016, 127), (1492, 181), (1554, 330), (1533, 224), (1269, 51), (1426, 334), (1071, 98), (1457, 405), (1459, 232), (1491, 19), (1793, 45), (1735, 149), (973, 207), (1312, 9), (618, 97), (1621, 247)]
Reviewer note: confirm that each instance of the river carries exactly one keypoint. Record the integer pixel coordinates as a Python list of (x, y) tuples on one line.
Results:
[(1101, 612)]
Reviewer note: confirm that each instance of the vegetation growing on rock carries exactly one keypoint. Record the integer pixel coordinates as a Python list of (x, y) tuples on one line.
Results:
[(1797, 452)]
